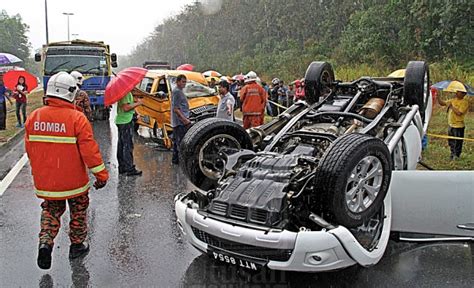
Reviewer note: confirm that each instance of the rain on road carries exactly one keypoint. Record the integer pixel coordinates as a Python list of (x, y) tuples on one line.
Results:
[(136, 242)]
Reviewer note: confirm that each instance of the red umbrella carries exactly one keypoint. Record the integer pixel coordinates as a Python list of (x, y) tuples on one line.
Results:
[(11, 79), (123, 83), (185, 67), (238, 77)]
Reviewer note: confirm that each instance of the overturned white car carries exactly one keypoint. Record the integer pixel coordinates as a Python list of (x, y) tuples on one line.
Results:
[(311, 190)]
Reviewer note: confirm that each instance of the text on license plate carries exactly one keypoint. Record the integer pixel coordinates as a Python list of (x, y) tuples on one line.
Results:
[(234, 261)]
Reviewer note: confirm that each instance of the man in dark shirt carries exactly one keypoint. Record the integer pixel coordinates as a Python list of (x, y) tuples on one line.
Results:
[(179, 116), (3, 104)]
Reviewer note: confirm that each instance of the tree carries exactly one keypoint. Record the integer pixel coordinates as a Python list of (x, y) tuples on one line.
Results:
[(13, 34), (281, 37)]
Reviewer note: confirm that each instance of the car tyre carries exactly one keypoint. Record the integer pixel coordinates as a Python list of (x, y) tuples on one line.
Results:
[(353, 177), (416, 85), (318, 78), (200, 147)]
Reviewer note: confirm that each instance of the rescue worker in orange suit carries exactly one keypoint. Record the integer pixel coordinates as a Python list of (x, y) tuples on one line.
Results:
[(82, 99), (254, 100), (60, 145)]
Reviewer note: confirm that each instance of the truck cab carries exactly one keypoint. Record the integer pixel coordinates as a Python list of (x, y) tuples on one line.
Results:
[(92, 59)]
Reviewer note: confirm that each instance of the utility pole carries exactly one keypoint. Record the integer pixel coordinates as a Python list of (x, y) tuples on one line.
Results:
[(46, 20), (68, 14)]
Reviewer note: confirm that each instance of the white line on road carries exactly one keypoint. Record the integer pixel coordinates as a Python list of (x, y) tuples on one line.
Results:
[(5, 183)]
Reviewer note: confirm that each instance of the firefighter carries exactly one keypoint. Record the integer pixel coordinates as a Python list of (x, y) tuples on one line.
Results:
[(254, 99), (60, 145), (82, 99)]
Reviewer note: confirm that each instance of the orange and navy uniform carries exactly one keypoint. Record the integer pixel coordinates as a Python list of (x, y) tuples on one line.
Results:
[(253, 98), (60, 145), (254, 101)]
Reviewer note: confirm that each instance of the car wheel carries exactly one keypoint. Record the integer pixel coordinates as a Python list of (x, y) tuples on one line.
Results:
[(200, 148), (353, 178), (318, 78), (416, 85)]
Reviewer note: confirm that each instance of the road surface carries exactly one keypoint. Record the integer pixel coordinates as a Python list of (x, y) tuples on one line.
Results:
[(135, 241)]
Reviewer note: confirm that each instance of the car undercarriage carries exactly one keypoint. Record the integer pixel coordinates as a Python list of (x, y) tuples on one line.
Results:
[(319, 172)]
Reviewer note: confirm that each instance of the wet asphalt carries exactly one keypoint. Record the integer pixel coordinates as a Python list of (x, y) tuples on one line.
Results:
[(136, 243)]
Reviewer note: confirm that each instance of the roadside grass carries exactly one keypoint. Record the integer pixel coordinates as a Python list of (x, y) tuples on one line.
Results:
[(35, 100), (437, 153)]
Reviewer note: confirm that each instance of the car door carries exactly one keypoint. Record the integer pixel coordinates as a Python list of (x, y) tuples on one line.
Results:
[(433, 202), (146, 112)]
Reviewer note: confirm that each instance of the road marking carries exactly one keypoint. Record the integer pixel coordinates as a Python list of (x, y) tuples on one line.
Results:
[(5, 183)]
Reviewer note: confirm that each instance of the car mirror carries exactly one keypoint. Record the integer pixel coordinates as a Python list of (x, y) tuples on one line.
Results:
[(37, 57), (114, 64), (113, 57)]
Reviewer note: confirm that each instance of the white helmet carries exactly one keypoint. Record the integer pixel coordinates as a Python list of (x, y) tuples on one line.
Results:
[(250, 77), (78, 76), (62, 85)]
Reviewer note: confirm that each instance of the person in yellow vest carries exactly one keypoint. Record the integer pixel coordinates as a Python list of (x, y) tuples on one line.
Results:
[(457, 110)]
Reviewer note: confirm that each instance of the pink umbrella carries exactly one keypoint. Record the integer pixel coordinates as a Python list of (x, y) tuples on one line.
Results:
[(238, 77), (123, 83), (185, 67)]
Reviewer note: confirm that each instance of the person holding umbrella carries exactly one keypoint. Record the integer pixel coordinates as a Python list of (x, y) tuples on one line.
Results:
[(125, 110), (19, 93), (457, 110), (118, 91), (3, 104), (21, 82)]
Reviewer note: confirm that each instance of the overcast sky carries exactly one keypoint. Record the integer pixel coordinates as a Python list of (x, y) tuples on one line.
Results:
[(121, 24)]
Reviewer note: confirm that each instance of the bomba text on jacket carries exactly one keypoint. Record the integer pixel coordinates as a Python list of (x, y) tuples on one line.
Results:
[(49, 127)]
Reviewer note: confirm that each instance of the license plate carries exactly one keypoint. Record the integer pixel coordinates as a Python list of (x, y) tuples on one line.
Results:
[(235, 260)]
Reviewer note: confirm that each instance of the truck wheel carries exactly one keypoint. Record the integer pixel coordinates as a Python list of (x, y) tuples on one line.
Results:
[(416, 88), (353, 178), (200, 147), (318, 78)]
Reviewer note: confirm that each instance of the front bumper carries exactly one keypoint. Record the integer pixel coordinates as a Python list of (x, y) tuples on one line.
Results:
[(306, 251)]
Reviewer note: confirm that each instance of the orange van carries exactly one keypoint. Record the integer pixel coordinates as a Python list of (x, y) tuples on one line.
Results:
[(155, 90)]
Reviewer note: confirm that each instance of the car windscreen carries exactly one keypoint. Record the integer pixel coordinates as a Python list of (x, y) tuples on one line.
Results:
[(86, 64), (193, 89)]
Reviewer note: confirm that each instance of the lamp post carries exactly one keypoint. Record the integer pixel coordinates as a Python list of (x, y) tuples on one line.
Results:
[(46, 20), (68, 14)]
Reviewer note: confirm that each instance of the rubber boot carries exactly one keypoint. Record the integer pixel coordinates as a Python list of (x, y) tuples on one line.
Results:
[(77, 250), (44, 256)]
